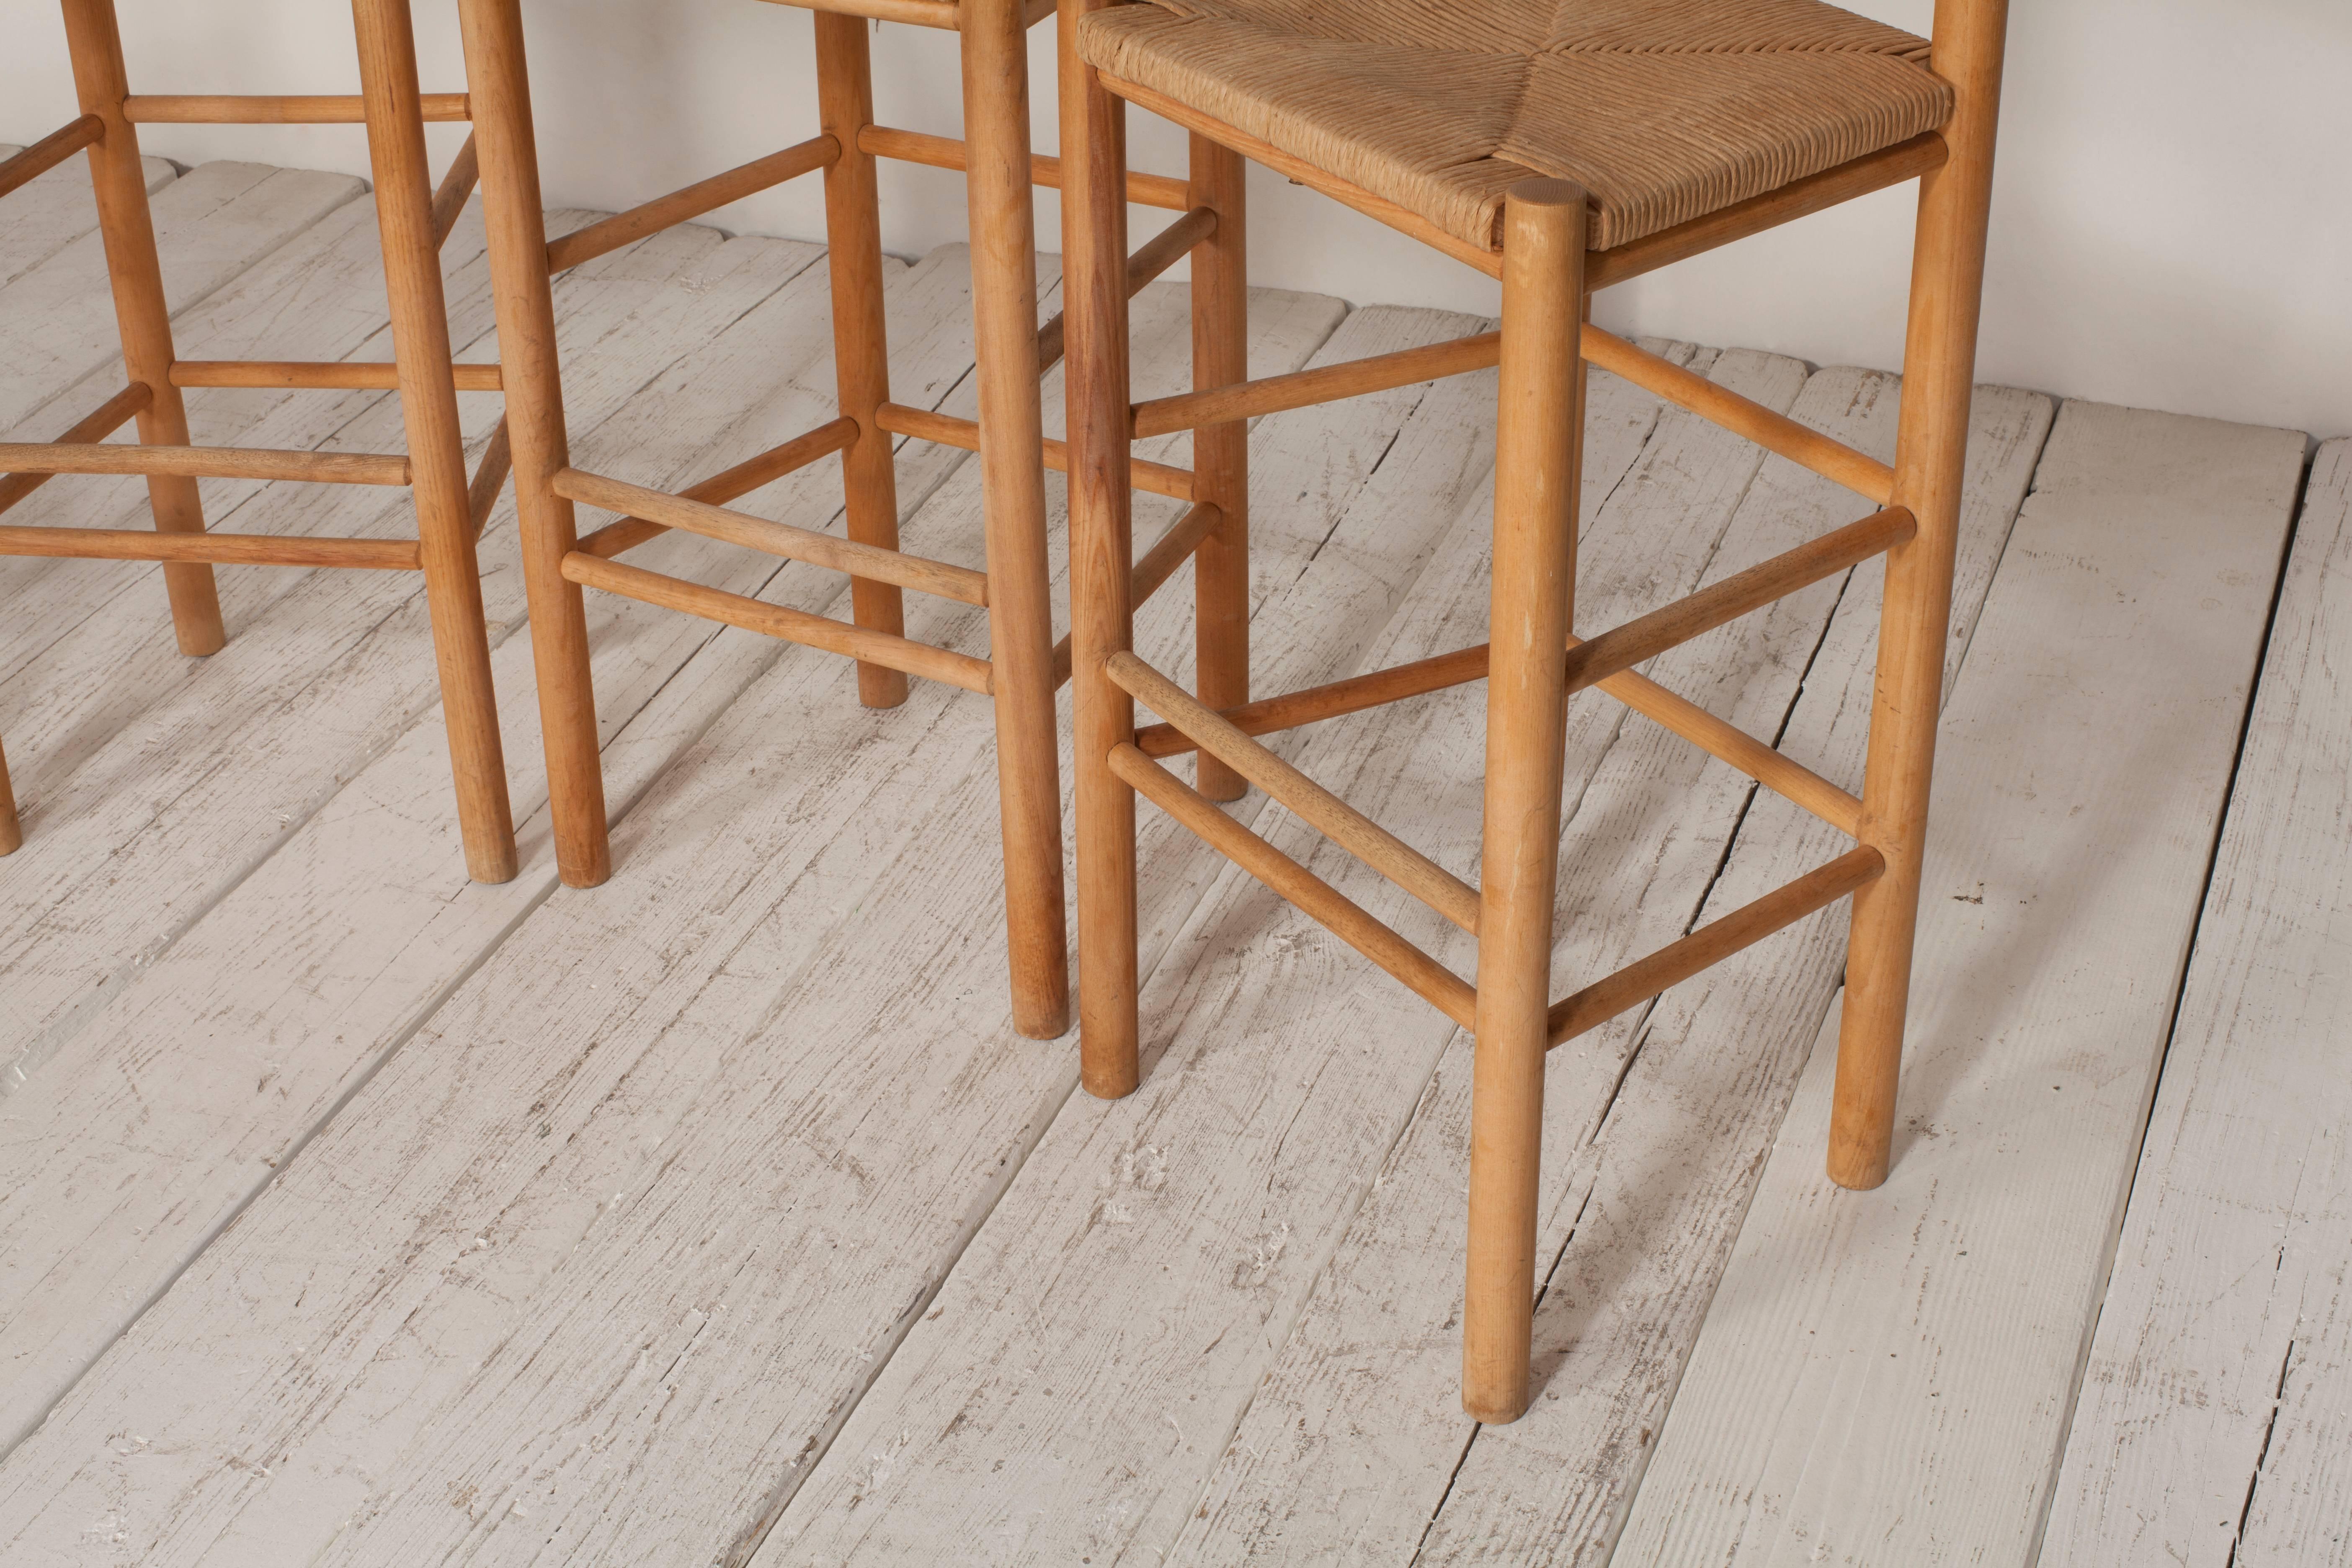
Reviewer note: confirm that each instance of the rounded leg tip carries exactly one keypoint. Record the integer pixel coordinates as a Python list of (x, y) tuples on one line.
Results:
[(594, 874), (12, 837), (1041, 1022), (1857, 1171), (1116, 1081), (879, 687), (1494, 1412)]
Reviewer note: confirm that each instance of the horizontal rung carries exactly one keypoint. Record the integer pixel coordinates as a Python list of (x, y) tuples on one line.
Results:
[(870, 562), (1589, 662), (1440, 986), (204, 463), (1159, 564), (1301, 389), (1727, 743), (1712, 943), (273, 109), (706, 196), (1156, 256), (944, 14), (374, 375), (948, 430), (219, 549), (1801, 444), (1329, 815), (776, 621), (49, 151), (722, 488), (947, 152), (112, 415)]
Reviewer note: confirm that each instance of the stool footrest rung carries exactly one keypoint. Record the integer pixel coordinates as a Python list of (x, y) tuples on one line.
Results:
[(1154, 256), (336, 375), (1436, 985), (1792, 781), (1589, 662), (948, 153), (1159, 564), (489, 478), (722, 488), (1324, 383), (1712, 943), (691, 202), (206, 463), (211, 549), (1329, 815), (948, 430), (818, 632), (50, 150), (867, 561), (465, 171), (112, 415), (275, 108)]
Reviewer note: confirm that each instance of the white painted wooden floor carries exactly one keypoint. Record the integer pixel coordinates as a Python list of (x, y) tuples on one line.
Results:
[(353, 1214)]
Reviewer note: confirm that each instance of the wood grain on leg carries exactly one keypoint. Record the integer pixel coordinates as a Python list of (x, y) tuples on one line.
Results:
[(1537, 442), (1221, 452)]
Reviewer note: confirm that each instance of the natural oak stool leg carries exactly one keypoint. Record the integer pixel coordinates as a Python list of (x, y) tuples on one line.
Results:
[(1538, 444), (12, 832), (1221, 452)]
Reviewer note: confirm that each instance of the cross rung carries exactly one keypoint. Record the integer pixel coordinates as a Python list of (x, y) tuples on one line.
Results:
[(112, 415), (1336, 820), (942, 13), (948, 430), (776, 621), (867, 561), (274, 109), (740, 481), (1712, 943), (215, 549), (449, 197), (49, 151), (204, 463), (1334, 910), (705, 195), (1792, 781), (1301, 389), (489, 478), (1156, 256), (1589, 663), (947, 152), (342, 376), (1173, 549)]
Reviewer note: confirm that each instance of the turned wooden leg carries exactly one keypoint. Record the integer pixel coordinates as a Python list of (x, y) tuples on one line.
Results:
[(1931, 453), (1537, 451), (437, 451), (499, 86), (1221, 452), (1094, 290), (1012, 486), (861, 345), (141, 315)]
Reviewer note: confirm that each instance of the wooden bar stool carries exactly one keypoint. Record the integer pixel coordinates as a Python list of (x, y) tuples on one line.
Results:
[(415, 220), (1025, 664), (1562, 148)]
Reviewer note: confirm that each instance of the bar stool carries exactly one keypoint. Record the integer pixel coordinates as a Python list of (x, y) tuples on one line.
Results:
[(415, 220), (1024, 666), (1559, 148)]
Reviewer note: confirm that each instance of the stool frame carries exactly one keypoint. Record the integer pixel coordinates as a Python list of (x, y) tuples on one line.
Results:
[(415, 220), (1026, 665), (1548, 277)]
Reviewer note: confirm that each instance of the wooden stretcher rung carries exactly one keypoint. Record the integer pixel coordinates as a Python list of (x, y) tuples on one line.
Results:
[(947, 152), (1801, 444), (870, 562), (465, 171), (1792, 780), (489, 478), (1345, 919), (1329, 815), (741, 480), (776, 621), (1159, 564), (1324, 383), (112, 415), (214, 548), (1712, 943), (611, 234), (204, 463), (948, 430), (1589, 662), (274, 109), (371, 375), (1154, 256), (49, 151), (942, 13)]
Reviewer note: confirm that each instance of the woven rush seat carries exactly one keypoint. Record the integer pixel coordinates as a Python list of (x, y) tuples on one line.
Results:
[(1663, 111)]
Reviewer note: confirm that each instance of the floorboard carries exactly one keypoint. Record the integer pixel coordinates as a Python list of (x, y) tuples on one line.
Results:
[(1885, 1377), (2216, 1411), (50, 212)]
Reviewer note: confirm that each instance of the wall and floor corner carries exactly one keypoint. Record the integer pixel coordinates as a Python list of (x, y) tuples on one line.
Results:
[(2171, 227)]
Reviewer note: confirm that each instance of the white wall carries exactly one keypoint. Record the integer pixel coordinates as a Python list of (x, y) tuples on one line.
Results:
[(2172, 227)]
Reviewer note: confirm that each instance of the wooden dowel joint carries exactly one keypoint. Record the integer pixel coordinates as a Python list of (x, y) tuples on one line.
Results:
[(1158, 564), (49, 151), (1157, 478), (948, 153), (1156, 256), (112, 415)]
